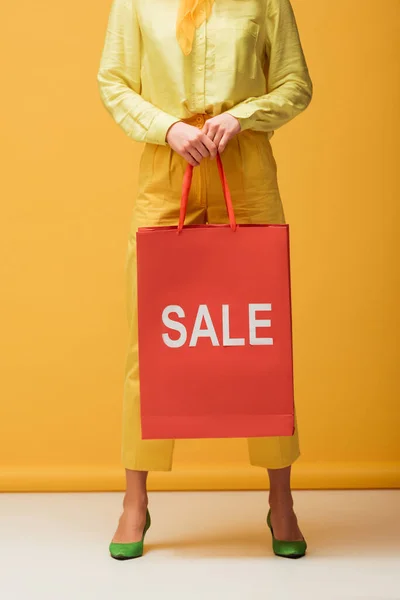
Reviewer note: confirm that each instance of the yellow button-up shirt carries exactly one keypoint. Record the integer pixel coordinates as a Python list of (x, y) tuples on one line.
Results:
[(247, 60)]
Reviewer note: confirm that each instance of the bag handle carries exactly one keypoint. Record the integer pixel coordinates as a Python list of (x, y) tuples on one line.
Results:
[(187, 181)]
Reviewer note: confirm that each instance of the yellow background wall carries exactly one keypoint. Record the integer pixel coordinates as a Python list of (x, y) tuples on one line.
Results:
[(68, 185)]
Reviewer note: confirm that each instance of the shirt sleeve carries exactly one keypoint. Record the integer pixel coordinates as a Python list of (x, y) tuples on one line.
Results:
[(289, 85), (119, 79)]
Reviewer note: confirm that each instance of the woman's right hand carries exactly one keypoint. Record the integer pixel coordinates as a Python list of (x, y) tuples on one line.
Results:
[(190, 142)]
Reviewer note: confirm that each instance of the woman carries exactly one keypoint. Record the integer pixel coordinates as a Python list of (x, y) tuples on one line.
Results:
[(193, 78)]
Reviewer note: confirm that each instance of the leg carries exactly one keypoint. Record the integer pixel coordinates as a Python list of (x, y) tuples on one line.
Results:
[(252, 174), (157, 204), (277, 454), (283, 518), (138, 456), (132, 521)]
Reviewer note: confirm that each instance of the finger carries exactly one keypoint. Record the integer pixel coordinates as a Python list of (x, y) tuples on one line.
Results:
[(210, 130), (223, 142), (206, 128), (189, 148), (210, 145), (189, 158), (209, 126), (201, 147), (195, 154), (218, 137)]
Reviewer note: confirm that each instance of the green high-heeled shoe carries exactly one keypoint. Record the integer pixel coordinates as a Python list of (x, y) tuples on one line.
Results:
[(130, 550), (284, 548)]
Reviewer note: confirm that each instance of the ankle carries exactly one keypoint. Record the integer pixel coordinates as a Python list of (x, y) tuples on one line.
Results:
[(137, 502), (281, 499)]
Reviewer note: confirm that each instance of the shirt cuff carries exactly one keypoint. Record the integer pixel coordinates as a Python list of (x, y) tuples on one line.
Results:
[(157, 131), (243, 114)]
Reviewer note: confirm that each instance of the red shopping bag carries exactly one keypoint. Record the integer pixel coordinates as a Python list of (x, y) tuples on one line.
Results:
[(215, 339)]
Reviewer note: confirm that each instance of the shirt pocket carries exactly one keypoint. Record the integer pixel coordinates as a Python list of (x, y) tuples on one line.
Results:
[(236, 48)]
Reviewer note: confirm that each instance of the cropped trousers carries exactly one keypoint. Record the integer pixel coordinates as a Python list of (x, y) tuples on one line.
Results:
[(251, 172)]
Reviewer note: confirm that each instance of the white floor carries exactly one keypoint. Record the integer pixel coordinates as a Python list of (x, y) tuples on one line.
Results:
[(208, 546)]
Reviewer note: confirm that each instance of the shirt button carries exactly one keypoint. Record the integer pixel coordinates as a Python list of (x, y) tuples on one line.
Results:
[(200, 68)]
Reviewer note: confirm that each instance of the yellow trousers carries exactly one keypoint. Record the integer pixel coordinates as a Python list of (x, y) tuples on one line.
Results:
[(252, 176)]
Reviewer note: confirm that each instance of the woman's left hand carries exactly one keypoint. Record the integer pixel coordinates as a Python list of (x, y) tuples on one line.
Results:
[(221, 129)]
